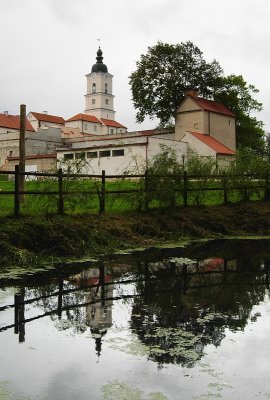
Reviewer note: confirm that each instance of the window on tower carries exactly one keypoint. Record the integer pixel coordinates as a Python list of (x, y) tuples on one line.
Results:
[(106, 101), (106, 87), (93, 101), (94, 88)]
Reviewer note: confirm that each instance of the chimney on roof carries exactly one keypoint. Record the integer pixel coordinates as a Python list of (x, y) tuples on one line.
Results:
[(192, 92), (6, 113)]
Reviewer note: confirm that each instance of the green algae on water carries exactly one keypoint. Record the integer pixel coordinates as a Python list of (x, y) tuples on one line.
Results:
[(120, 391), (116, 390)]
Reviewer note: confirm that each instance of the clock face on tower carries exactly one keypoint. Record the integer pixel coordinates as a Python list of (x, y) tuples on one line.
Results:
[(93, 74)]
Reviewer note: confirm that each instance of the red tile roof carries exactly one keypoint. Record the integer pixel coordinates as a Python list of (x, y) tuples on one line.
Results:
[(13, 122), (213, 143), (48, 118), (213, 106), (84, 117), (110, 122)]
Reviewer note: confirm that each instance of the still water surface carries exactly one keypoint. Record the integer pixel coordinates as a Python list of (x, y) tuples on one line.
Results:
[(167, 324)]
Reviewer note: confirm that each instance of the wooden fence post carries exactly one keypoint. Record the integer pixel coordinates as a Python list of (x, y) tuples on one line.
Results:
[(146, 198), (60, 191), (22, 150), (225, 193), (17, 192), (102, 194), (185, 189)]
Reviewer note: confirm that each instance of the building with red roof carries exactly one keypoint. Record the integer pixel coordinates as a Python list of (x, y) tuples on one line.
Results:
[(11, 123), (90, 124), (207, 117), (203, 126), (44, 120)]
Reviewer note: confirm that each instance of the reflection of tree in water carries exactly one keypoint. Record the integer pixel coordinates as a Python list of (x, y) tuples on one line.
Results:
[(185, 306)]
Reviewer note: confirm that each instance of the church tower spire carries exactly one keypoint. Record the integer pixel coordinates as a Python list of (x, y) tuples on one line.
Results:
[(99, 97)]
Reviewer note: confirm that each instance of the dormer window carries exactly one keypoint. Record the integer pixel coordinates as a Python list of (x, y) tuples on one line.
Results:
[(94, 88)]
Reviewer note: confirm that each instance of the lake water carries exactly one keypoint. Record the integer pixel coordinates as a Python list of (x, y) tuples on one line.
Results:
[(164, 324)]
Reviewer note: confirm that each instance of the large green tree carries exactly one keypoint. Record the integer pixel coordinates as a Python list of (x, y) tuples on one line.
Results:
[(166, 71), (238, 96), (163, 75)]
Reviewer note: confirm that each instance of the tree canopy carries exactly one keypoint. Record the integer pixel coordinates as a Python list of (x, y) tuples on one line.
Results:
[(167, 71), (164, 74), (238, 96)]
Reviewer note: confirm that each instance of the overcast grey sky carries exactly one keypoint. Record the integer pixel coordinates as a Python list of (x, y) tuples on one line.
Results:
[(49, 45)]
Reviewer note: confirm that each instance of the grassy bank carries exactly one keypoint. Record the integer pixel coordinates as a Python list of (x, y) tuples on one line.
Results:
[(29, 241)]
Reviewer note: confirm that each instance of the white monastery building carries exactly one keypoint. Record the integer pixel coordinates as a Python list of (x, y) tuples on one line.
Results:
[(102, 143)]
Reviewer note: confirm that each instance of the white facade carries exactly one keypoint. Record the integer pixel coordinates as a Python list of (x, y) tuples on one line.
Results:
[(117, 156)]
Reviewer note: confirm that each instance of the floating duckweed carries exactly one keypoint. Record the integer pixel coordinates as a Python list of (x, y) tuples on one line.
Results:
[(157, 350), (209, 318), (130, 345), (116, 390), (157, 396), (219, 386), (177, 343), (4, 393), (211, 372), (208, 395), (120, 391)]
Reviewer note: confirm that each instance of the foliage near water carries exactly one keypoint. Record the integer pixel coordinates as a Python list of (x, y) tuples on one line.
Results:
[(32, 244)]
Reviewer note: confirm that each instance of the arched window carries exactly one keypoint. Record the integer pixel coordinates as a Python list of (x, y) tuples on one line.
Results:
[(106, 87), (94, 88)]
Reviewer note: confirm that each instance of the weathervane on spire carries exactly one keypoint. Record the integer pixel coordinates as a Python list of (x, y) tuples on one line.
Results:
[(98, 42)]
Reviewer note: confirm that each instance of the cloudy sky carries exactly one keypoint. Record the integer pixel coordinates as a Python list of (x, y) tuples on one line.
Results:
[(49, 45)]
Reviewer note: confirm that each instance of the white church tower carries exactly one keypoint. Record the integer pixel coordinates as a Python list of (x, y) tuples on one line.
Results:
[(99, 97)]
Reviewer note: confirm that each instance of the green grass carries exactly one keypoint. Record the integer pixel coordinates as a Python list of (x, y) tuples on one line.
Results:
[(82, 196)]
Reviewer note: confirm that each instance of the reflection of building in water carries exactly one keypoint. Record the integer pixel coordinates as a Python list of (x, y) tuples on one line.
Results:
[(216, 264), (99, 296)]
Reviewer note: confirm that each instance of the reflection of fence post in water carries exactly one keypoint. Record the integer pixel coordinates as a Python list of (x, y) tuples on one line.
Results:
[(266, 266), (19, 315), (60, 298), (225, 269), (185, 278), (146, 274)]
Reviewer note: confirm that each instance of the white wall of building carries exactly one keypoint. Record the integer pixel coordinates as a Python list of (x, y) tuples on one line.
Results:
[(118, 156), (198, 146)]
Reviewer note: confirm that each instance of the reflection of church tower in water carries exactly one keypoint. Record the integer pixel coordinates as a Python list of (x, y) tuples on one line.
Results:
[(99, 312), (99, 96)]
